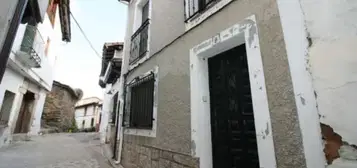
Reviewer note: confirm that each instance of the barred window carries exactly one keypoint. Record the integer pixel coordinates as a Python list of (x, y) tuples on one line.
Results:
[(193, 7), (141, 103)]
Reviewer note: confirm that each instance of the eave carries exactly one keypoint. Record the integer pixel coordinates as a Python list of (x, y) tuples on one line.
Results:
[(64, 13), (111, 66)]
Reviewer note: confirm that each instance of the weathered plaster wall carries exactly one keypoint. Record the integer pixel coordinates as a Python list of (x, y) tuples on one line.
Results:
[(7, 9), (12, 82), (174, 130), (106, 110), (294, 31), (36, 120), (332, 60)]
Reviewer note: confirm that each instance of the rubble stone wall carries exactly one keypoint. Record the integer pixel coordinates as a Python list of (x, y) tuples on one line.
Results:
[(138, 156), (59, 109)]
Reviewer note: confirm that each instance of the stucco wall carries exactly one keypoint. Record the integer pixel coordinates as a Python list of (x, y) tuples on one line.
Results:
[(38, 110), (174, 132), (332, 63), (159, 35), (7, 9), (174, 18), (12, 82)]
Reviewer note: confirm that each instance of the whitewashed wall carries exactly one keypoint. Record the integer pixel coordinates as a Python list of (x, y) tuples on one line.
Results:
[(87, 116), (36, 123), (12, 82), (103, 128), (7, 9), (79, 112), (333, 61), (44, 75), (321, 40)]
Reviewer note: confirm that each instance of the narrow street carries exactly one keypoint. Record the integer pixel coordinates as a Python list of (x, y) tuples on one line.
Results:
[(79, 150)]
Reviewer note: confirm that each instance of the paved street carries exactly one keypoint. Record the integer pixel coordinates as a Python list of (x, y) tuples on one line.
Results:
[(55, 151)]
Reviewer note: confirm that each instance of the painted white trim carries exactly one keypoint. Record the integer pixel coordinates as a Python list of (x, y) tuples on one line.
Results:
[(244, 32), (145, 132), (203, 16), (139, 4), (107, 72), (294, 30)]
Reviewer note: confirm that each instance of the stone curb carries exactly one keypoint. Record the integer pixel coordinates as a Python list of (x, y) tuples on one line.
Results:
[(106, 155)]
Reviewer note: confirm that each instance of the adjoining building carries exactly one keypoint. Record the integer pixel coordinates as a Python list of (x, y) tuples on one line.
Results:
[(88, 113), (109, 80), (29, 73), (227, 83)]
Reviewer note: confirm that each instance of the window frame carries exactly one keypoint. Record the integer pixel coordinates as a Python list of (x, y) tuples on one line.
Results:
[(142, 118), (148, 132), (209, 9), (137, 24), (92, 122), (202, 6)]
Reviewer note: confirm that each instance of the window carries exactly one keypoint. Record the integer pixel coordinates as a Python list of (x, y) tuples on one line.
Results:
[(139, 39), (6, 107), (196, 11), (92, 122), (115, 108), (193, 7), (145, 14), (142, 103), (85, 110)]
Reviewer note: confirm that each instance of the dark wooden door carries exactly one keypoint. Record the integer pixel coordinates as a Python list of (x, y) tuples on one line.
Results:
[(232, 122)]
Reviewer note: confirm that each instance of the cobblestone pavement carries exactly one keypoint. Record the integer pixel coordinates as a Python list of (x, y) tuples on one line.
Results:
[(55, 151)]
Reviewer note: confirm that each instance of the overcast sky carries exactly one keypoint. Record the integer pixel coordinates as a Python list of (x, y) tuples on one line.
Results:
[(77, 64)]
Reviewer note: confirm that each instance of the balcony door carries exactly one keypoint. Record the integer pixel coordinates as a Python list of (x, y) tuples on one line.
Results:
[(145, 13), (139, 39)]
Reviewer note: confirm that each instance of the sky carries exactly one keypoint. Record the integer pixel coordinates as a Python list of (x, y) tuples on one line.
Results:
[(77, 64)]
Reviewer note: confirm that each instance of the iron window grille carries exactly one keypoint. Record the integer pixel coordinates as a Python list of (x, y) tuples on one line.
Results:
[(194, 7), (140, 114)]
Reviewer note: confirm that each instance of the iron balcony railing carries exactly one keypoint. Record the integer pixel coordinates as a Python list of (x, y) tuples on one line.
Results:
[(139, 42), (32, 46)]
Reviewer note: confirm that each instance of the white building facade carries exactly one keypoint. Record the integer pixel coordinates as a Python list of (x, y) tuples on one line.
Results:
[(29, 73), (109, 80), (88, 113)]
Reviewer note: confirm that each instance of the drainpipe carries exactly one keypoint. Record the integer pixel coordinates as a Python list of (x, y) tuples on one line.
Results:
[(121, 117), (122, 90), (11, 34)]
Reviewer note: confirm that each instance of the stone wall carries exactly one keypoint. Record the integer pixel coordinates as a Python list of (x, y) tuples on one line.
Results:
[(59, 109), (137, 156)]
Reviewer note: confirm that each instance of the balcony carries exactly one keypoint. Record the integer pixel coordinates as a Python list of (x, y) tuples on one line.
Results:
[(32, 48), (139, 42)]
